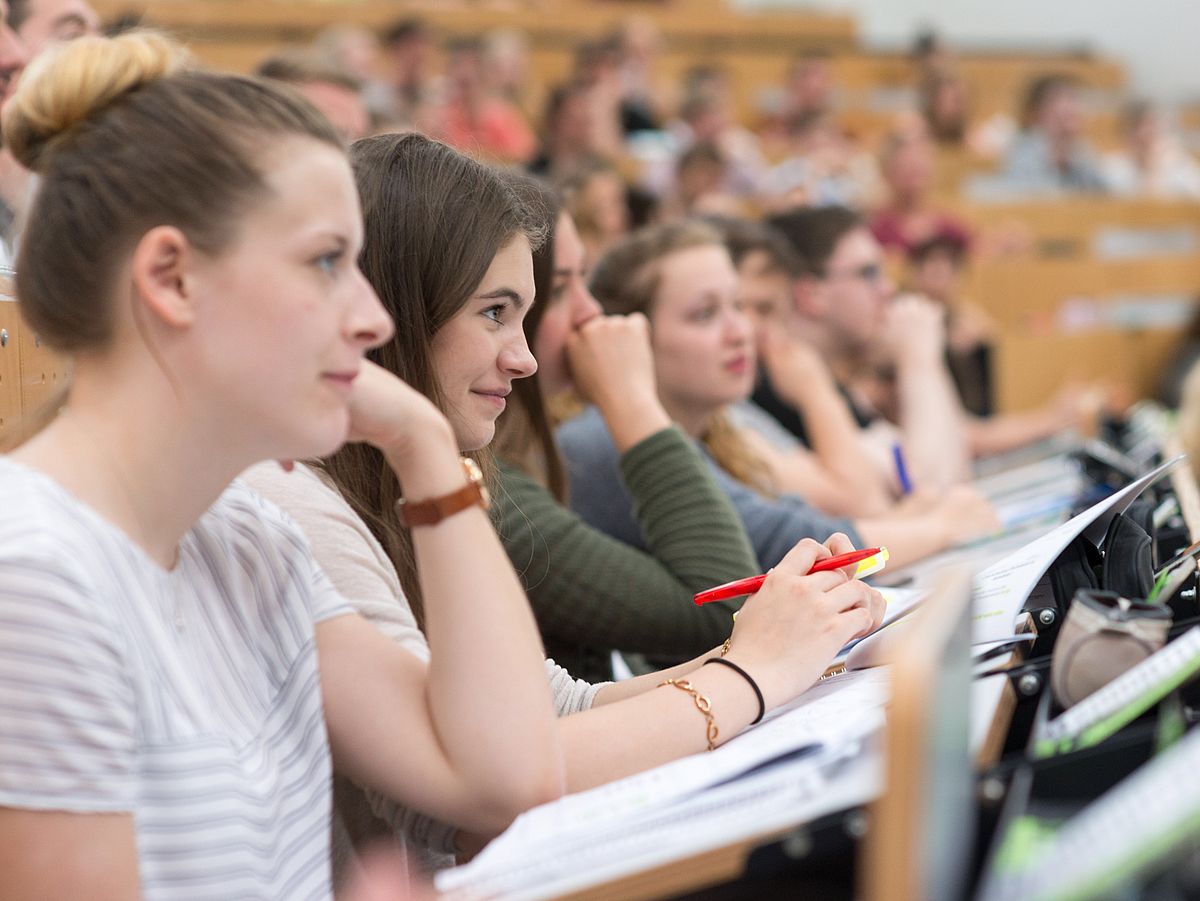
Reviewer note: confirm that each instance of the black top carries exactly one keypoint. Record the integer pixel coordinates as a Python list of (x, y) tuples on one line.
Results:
[(790, 418)]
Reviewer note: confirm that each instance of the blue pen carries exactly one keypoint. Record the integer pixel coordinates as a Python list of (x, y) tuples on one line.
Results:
[(901, 470)]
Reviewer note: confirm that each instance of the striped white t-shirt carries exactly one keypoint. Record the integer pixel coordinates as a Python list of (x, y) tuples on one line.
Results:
[(189, 698)]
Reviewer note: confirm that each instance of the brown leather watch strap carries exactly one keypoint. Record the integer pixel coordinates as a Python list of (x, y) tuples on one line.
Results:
[(433, 510)]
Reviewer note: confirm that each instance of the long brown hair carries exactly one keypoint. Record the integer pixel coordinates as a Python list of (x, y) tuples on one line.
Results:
[(434, 220), (525, 431), (626, 280)]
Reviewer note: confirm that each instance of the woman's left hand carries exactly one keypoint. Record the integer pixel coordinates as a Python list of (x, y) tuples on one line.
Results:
[(387, 412)]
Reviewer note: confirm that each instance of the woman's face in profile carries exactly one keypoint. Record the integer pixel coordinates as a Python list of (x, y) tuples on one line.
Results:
[(702, 338), (480, 352), (569, 306), (282, 318)]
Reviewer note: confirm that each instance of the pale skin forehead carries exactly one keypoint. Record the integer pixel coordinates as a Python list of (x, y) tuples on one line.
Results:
[(311, 189), (695, 272)]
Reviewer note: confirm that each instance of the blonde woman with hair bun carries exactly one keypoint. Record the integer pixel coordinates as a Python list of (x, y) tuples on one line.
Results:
[(177, 676)]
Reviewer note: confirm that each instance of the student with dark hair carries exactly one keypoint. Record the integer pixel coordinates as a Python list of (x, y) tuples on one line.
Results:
[(838, 474), (177, 676), (845, 305), (471, 356)]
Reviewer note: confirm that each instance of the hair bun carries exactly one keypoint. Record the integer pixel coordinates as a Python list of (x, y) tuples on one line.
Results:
[(67, 84)]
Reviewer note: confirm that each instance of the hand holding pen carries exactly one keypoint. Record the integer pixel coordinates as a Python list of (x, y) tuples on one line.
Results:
[(857, 565), (786, 634)]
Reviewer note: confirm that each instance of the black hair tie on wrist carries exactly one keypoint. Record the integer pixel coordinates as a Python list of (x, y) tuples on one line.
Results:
[(762, 706)]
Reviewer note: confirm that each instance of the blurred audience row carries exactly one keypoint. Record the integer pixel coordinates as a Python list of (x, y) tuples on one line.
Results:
[(683, 145)]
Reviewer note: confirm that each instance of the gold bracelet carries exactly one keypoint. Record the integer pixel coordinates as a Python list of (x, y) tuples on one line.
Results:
[(703, 704), (725, 647)]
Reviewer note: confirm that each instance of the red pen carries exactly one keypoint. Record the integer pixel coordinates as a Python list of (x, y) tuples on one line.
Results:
[(753, 583)]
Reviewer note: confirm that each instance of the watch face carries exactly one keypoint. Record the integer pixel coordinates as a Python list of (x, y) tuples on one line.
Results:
[(475, 476), (474, 473)]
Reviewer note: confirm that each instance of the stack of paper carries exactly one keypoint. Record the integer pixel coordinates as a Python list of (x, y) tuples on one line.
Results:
[(801, 762)]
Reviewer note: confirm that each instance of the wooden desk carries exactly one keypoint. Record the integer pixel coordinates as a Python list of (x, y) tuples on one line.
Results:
[(1104, 293)]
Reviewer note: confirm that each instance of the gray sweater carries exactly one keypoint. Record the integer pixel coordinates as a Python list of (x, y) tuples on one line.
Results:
[(599, 496)]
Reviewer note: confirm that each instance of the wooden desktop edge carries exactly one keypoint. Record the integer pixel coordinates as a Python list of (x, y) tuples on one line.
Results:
[(889, 859), (1184, 483), (687, 874)]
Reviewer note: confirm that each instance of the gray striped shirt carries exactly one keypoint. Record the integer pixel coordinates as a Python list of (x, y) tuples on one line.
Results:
[(189, 698)]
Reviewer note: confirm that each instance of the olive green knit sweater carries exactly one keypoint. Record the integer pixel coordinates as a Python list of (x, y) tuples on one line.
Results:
[(592, 593)]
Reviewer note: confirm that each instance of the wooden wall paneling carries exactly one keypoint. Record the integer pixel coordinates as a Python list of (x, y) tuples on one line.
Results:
[(1029, 369), (1056, 321), (43, 372), (10, 369), (1059, 225)]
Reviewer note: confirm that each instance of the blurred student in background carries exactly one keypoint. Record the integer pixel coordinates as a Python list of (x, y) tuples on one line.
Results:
[(336, 93), (573, 132), (597, 199), (1051, 154), (31, 27), (909, 215), (476, 116), (681, 277), (1151, 161), (357, 51), (412, 66)]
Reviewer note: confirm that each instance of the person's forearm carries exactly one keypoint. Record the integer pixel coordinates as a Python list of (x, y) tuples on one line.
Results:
[(628, 688), (610, 741), (632, 418), (907, 538), (997, 434), (837, 442), (932, 422), (486, 674)]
